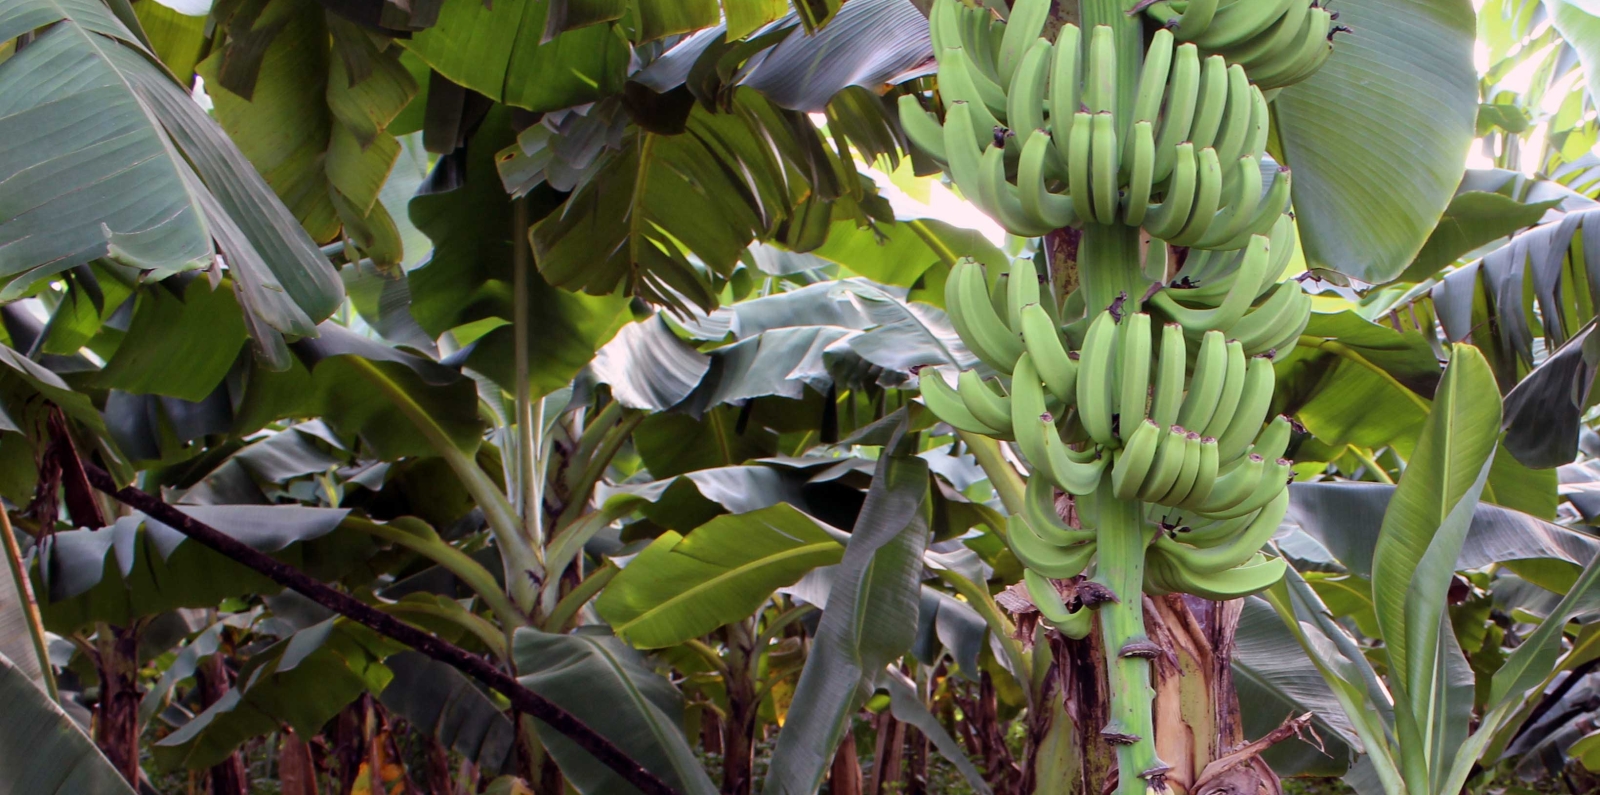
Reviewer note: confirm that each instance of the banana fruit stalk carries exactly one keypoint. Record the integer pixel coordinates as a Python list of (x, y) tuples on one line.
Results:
[(1031, 134), (1280, 42)]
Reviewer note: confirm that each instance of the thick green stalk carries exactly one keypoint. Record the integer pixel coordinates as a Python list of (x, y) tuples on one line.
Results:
[(1007, 483), (530, 417), (1109, 267), (1123, 537)]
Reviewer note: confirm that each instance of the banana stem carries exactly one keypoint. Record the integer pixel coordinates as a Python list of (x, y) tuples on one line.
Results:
[(1007, 483), (1122, 540), (1109, 266)]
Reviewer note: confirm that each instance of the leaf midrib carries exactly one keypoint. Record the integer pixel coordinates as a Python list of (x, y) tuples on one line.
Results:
[(725, 576)]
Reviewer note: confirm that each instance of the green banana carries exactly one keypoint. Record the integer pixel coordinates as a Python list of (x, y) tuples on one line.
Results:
[(1257, 575), (1056, 366), (1167, 398), (1074, 624), (1274, 478), (999, 198), (1026, 95), (1134, 460), (1026, 412), (1234, 306), (963, 157), (1237, 550), (959, 82), (1167, 219), (946, 404), (1039, 509), (1077, 473), (1206, 480), (1168, 464), (1183, 93), (1273, 442), (1134, 351), (944, 25), (990, 407), (1237, 22), (1095, 379), (1205, 388), (1269, 212), (1208, 196), (1152, 83), (1268, 323), (1240, 210), (1039, 205), (921, 127), (983, 324), (1022, 285), (1105, 168), (1254, 403), (1232, 390), (1060, 563), (1188, 472), (1301, 57), (1273, 41), (1234, 132), (1021, 30), (1100, 93), (1078, 184), (1212, 102), (1196, 19), (1207, 534), (1233, 488), (1064, 88), (1141, 175)]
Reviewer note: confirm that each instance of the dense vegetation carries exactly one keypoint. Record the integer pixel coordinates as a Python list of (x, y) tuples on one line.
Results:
[(751, 396)]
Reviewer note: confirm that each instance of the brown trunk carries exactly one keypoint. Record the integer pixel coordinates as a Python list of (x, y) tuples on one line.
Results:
[(917, 767), (738, 727), (297, 773), (439, 782), (886, 759), (228, 777), (350, 742), (984, 736), (116, 719), (844, 776)]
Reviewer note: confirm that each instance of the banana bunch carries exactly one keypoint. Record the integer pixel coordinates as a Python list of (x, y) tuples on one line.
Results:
[(1220, 290), (1280, 42), (1038, 147)]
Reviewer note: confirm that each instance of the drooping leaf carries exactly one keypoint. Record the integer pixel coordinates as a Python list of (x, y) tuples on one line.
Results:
[(203, 328), (1474, 218), (870, 619), (42, 750), (610, 687), (440, 700), (1544, 412), (1382, 112), (682, 587), (1274, 679)]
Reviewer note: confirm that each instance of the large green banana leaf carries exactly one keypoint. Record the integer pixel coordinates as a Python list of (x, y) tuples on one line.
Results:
[(1274, 679), (683, 587), (871, 618), (109, 157), (612, 688), (440, 700), (42, 751), (1377, 138)]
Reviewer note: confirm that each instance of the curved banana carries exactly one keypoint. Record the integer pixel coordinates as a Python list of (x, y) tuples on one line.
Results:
[(982, 321), (1039, 509), (1212, 103), (999, 198), (1059, 563), (1152, 83), (1233, 488), (1141, 162), (1205, 388), (1064, 90), (1234, 306), (959, 82), (1167, 397), (1078, 151), (1257, 575), (990, 407), (1270, 212), (1291, 337), (1133, 461), (1207, 197), (1056, 366), (1259, 382), (1077, 473), (944, 26), (1022, 29), (1232, 390), (1196, 18), (1166, 220), (1283, 310), (1207, 533), (1029, 85), (1206, 479), (1274, 478), (1188, 472), (1234, 132), (1273, 442), (1275, 39), (1168, 464), (922, 128), (946, 404), (1074, 624), (1095, 379), (1237, 22), (1310, 49), (963, 150), (1183, 92), (1029, 418), (1134, 352), (1240, 210), (1039, 205), (1105, 167), (1238, 550)]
